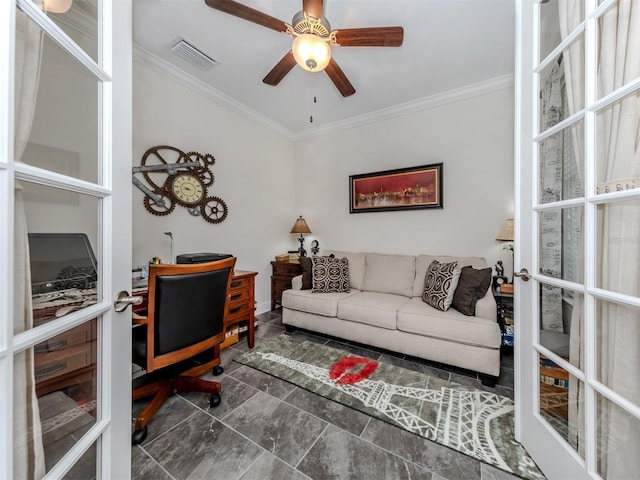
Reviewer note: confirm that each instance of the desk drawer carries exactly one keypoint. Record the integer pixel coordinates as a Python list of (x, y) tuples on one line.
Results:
[(240, 283), (238, 311), (239, 295), (61, 362), (81, 334)]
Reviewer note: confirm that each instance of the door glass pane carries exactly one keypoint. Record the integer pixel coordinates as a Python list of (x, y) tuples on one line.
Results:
[(549, 27), (561, 165), (78, 19), (561, 243), (561, 400), (559, 96), (617, 145), (86, 467), (561, 322), (617, 49), (617, 449), (618, 327), (63, 96), (618, 237), (65, 369), (62, 241)]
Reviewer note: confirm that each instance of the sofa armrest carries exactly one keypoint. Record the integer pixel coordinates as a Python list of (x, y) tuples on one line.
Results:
[(296, 282), (486, 307)]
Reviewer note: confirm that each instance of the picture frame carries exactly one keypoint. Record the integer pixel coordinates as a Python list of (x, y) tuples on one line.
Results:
[(408, 188)]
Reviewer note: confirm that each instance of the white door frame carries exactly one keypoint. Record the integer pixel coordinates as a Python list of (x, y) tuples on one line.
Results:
[(112, 430)]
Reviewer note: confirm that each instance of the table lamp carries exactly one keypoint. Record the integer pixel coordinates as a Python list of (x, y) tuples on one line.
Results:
[(301, 227)]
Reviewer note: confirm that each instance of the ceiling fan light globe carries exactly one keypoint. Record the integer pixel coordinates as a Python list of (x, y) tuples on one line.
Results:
[(57, 6), (311, 52)]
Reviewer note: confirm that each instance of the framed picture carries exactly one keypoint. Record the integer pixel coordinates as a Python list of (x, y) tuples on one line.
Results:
[(401, 189)]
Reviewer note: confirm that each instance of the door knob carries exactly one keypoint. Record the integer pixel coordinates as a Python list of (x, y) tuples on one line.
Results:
[(523, 274), (123, 300)]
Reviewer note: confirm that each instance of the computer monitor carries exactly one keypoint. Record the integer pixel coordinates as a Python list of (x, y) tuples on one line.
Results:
[(60, 261)]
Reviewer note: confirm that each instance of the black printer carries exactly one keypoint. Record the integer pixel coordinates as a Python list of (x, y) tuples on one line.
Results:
[(201, 257)]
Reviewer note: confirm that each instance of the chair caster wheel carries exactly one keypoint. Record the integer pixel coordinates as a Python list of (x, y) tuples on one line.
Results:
[(139, 436), (215, 400), (218, 370)]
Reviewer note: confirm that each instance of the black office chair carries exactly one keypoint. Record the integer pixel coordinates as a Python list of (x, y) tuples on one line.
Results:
[(185, 317)]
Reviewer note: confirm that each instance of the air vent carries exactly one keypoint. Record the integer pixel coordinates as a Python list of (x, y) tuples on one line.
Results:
[(194, 55)]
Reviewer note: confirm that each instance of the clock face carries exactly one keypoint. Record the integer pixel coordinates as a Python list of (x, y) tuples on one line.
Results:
[(188, 189)]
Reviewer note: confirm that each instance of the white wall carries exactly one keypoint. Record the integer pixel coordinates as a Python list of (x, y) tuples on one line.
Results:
[(474, 140), (253, 175)]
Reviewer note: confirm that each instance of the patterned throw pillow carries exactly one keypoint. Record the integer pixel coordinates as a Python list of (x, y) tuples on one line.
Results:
[(440, 284), (330, 274)]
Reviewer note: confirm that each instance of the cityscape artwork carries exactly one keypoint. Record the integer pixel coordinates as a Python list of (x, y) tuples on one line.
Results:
[(400, 189)]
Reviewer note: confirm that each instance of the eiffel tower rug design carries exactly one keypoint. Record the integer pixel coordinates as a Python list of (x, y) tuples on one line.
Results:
[(471, 421)]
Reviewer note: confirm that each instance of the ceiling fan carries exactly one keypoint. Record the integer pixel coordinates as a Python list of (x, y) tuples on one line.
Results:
[(312, 40)]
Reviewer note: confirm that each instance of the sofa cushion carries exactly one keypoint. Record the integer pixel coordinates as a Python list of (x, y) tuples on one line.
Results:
[(423, 262), (325, 304), (440, 284), (392, 274), (417, 317), (356, 266), (379, 309), (472, 285)]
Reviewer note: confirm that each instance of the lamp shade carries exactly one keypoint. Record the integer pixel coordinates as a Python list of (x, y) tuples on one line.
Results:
[(311, 52), (300, 227), (506, 234)]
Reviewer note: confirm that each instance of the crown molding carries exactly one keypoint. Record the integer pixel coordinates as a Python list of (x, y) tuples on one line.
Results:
[(163, 67), (426, 103)]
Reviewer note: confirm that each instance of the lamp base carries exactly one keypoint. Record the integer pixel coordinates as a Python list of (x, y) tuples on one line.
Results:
[(301, 250)]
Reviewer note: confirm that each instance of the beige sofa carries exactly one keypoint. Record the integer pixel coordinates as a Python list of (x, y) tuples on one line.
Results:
[(385, 309)]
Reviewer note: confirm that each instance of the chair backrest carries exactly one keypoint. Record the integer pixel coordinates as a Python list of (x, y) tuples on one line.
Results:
[(187, 308)]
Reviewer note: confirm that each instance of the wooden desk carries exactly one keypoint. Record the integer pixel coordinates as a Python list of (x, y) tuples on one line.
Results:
[(241, 308)]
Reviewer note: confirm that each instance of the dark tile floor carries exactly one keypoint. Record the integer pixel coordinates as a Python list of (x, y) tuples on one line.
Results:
[(267, 429)]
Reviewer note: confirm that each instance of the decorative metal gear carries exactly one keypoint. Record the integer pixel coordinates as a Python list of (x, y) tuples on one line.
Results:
[(178, 178), (204, 168), (164, 206), (163, 157), (214, 210)]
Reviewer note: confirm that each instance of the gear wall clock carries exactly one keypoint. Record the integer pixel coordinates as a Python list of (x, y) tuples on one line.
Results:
[(177, 178)]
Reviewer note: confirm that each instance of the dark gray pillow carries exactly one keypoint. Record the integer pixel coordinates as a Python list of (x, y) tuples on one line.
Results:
[(307, 265), (472, 286)]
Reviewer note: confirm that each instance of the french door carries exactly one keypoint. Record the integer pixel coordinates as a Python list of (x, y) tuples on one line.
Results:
[(578, 236), (65, 250)]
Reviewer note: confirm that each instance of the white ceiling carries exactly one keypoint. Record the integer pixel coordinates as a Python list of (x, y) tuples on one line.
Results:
[(448, 44)]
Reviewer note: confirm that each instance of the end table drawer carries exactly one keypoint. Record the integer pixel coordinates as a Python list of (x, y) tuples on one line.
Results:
[(288, 269)]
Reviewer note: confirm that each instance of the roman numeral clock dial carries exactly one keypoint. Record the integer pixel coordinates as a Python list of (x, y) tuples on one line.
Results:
[(188, 189)]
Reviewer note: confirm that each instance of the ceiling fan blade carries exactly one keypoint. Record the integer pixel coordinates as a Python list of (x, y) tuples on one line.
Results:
[(370, 37), (313, 8), (339, 79), (247, 13), (278, 72)]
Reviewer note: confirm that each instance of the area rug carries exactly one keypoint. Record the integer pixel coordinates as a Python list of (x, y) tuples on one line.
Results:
[(477, 423)]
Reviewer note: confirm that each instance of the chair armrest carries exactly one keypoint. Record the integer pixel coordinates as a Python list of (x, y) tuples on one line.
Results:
[(296, 282), (138, 319), (486, 307)]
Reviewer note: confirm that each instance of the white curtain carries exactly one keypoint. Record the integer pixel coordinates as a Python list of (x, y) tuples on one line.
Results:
[(551, 162), (618, 159), (28, 454)]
